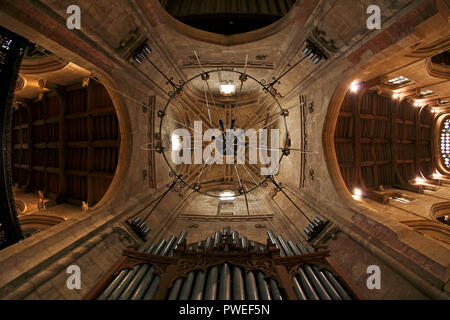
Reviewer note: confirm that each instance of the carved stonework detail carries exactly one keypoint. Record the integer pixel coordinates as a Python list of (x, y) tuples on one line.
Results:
[(134, 258), (262, 263), (330, 233), (125, 237), (20, 83), (320, 264), (321, 37), (234, 218), (292, 263)]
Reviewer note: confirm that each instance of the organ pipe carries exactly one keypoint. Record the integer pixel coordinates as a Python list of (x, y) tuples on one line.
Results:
[(225, 281)]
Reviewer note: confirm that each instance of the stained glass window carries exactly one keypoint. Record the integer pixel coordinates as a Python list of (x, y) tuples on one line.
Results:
[(5, 43), (445, 143)]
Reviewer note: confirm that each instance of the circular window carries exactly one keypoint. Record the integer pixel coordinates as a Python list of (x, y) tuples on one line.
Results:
[(227, 17), (445, 143)]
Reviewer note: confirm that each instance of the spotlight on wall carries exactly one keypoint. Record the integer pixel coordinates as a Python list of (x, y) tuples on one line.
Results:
[(354, 87), (437, 175), (416, 104), (395, 96), (357, 194), (419, 180)]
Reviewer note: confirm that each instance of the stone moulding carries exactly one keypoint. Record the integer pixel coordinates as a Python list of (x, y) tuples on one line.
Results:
[(198, 217)]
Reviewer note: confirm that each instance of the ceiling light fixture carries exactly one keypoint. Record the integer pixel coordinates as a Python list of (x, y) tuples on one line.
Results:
[(226, 196), (426, 92), (398, 80), (227, 89)]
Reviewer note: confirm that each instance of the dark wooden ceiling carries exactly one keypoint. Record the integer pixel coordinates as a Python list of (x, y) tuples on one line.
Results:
[(382, 141), (228, 16), (67, 144)]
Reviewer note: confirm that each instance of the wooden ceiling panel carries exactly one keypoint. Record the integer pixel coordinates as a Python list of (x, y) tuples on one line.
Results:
[(379, 140), (67, 144), (75, 101), (76, 158)]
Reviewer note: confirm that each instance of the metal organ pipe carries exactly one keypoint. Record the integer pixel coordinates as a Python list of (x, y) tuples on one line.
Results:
[(306, 285), (199, 283), (250, 282), (294, 249), (142, 286), (321, 279), (263, 288), (211, 283), (303, 290), (244, 242), (327, 285), (298, 289), (283, 245), (112, 286), (140, 273), (217, 239), (328, 276), (238, 284), (126, 280), (337, 285), (146, 281), (320, 290), (173, 293), (304, 281), (225, 282), (272, 237), (208, 243), (250, 286), (275, 290), (155, 282), (211, 280), (235, 238), (187, 285)]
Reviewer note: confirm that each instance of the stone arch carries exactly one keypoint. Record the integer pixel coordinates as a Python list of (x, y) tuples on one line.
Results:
[(156, 12)]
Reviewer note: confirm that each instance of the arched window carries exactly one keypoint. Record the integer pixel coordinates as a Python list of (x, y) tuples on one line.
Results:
[(445, 143)]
